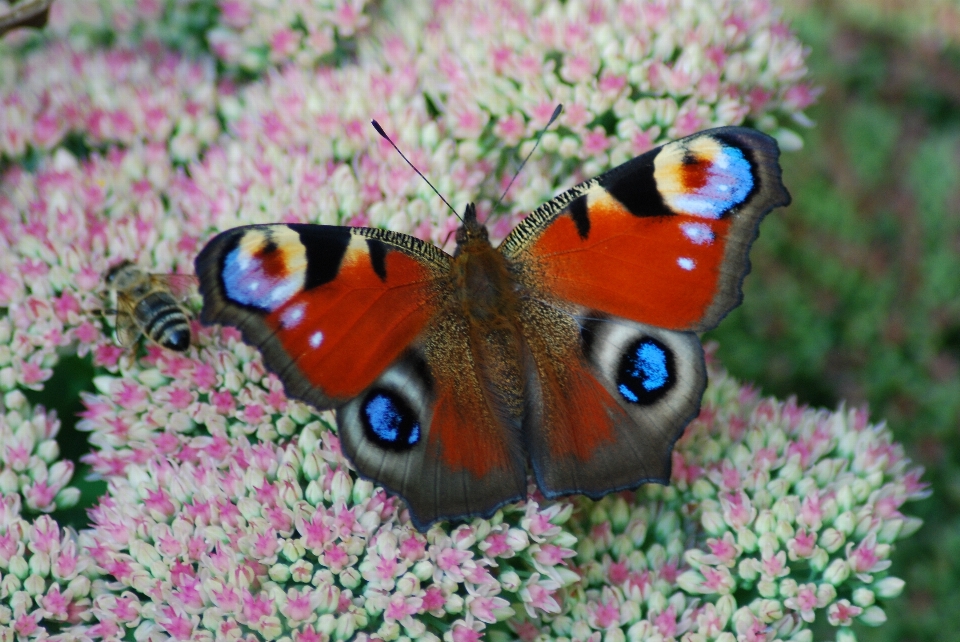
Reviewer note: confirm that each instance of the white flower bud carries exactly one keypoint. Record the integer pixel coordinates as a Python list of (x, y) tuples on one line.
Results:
[(510, 581), (910, 526), (832, 540), (873, 616), (423, 570), (326, 623), (767, 588), (350, 577), (615, 635), (767, 610), (454, 604), (301, 414), (890, 530), (889, 587), (747, 540), (713, 523), (279, 573), (863, 597), (152, 378), (14, 400), (837, 573), (826, 593), (765, 522), (845, 634)]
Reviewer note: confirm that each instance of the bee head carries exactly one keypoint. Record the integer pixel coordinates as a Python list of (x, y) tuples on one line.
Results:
[(113, 274)]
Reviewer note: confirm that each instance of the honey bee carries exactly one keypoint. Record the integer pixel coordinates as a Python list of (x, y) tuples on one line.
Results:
[(148, 304)]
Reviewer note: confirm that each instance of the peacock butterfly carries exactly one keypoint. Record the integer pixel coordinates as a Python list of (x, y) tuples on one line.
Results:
[(572, 345)]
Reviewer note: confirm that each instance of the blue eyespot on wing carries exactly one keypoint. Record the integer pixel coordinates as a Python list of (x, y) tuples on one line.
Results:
[(389, 421), (646, 372)]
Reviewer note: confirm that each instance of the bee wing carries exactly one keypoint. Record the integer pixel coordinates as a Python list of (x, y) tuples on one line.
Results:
[(126, 330), (181, 286)]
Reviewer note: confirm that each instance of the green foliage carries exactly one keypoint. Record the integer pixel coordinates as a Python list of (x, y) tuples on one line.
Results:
[(855, 290)]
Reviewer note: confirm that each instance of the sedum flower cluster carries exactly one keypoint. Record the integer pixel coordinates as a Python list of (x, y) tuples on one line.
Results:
[(30, 466), (136, 130), (46, 576), (244, 36), (276, 541), (60, 96)]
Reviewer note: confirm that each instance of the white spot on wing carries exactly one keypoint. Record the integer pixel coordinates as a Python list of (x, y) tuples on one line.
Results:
[(283, 289), (685, 263), (292, 316), (699, 233), (316, 339)]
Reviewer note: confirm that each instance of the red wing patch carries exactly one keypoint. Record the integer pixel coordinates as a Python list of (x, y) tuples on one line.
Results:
[(657, 270), (341, 335), (576, 420), (467, 437)]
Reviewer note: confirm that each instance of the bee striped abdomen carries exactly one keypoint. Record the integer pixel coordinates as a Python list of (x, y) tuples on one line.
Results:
[(165, 321)]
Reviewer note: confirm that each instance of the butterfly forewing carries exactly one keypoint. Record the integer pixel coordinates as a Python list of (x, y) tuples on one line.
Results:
[(330, 307), (662, 239)]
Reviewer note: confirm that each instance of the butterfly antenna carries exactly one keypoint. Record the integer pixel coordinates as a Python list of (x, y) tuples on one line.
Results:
[(556, 114), (380, 131)]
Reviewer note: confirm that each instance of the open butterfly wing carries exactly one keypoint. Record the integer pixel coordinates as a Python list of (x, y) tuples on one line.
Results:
[(356, 319), (662, 239), (329, 307), (617, 274)]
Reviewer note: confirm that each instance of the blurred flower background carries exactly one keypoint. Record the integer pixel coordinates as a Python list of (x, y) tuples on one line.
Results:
[(193, 500)]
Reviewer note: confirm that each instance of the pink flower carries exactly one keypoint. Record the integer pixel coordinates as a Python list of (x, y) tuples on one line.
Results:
[(724, 550), (606, 616), (842, 612), (483, 608), (802, 545), (595, 142), (538, 595), (551, 555), (576, 68), (866, 557), (236, 14), (510, 129), (666, 622), (805, 602), (462, 633), (618, 573)]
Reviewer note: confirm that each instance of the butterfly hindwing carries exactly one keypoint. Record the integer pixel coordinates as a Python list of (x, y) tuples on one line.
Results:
[(329, 307), (611, 397), (662, 239), (431, 436)]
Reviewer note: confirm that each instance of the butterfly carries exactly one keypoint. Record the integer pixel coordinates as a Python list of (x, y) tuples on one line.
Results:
[(571, 346)]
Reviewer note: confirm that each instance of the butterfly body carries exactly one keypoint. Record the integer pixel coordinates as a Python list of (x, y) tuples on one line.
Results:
[(570, 347)]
